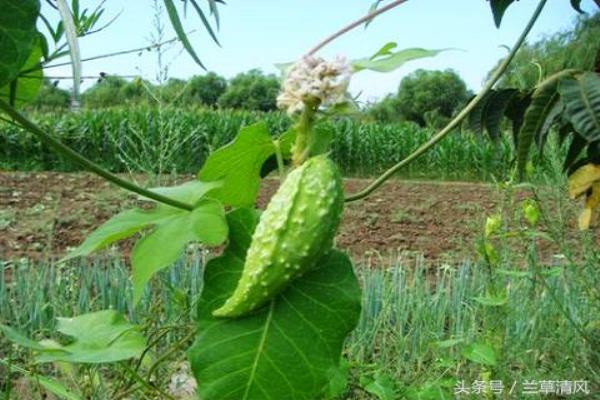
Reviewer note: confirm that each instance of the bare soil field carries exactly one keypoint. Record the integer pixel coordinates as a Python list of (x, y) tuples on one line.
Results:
[(43, 214)]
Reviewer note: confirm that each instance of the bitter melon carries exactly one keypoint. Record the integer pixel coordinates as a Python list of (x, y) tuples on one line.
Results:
[(296, 229)]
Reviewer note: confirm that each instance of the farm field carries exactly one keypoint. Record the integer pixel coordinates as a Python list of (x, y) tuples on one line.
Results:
[(45, 213)]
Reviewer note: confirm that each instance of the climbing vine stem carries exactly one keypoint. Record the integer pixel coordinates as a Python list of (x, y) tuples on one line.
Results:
[(84, 162), (456, 120)]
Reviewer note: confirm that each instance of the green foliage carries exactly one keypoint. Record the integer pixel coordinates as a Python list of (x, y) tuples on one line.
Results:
[(576, 48), (128, 139), (176, 23), (51, 97), (251, 90), (480, 353), (490, 111), (105, 93), (498, 9), (297, 338), (172, 230), (238, 166), (381, 386), (581, 98), (99, 337), (205, 89), (423, 92), (17, 36), (24, 88), (386, 60)]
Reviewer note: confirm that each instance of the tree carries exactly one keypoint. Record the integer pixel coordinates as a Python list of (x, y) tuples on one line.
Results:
[(205, 89), (252, 90), (50, 96), (429, 91), (576, 48)]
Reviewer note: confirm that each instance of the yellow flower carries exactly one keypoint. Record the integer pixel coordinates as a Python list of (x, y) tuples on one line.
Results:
[(587, 180)]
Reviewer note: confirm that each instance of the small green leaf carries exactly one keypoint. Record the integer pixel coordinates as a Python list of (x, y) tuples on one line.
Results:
[(543, 101), (382, 386), (238, 166), (163, 246), (285, 350), (190, 192), (338, 381), (17, 36), (480, 353), (445, 344), (576, 4), (176, 22), (389, 61), (99, 337), (492, 300), (581, 98), (498, 9)]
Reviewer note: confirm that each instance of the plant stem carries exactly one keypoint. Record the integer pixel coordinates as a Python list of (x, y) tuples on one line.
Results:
[(279, 156), (101, 56), (456, 120), (353, 25), (169, 353), (87, 164), (303, 130)]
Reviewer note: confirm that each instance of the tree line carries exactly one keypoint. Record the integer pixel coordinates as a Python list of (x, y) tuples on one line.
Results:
[(427, 98)]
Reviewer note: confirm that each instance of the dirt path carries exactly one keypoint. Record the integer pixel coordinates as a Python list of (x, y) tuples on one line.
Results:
[(42, 214)]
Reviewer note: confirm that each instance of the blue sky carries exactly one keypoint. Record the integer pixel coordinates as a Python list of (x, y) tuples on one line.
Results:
[(261, 33)]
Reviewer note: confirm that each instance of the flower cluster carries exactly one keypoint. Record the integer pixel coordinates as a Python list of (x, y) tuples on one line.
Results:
[(313, 78)]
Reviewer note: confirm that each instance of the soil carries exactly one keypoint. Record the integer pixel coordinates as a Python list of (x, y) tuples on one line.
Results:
[(42, 215)]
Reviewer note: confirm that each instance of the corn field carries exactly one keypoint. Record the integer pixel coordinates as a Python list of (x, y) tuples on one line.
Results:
[(175, 140)]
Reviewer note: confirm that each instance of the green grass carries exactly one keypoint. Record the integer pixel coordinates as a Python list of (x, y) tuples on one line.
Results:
[(175, 140), (415, 324)]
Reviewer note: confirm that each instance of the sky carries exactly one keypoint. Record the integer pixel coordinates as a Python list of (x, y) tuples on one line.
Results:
[(262, 33)]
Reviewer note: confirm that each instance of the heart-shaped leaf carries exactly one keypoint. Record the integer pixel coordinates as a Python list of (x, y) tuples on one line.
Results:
[(17, 36), (285, 350)]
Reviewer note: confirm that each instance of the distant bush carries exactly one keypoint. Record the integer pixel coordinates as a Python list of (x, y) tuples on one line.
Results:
[(51, 97), (253, 91)]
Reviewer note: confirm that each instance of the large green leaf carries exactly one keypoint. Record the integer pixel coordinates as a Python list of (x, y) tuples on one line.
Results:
[(386, 60), (543, 101), (17, 35), (25, 86), (161, 248), (287, 349), (238, 166), (581, 98), (498, 9), (99, 337)]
